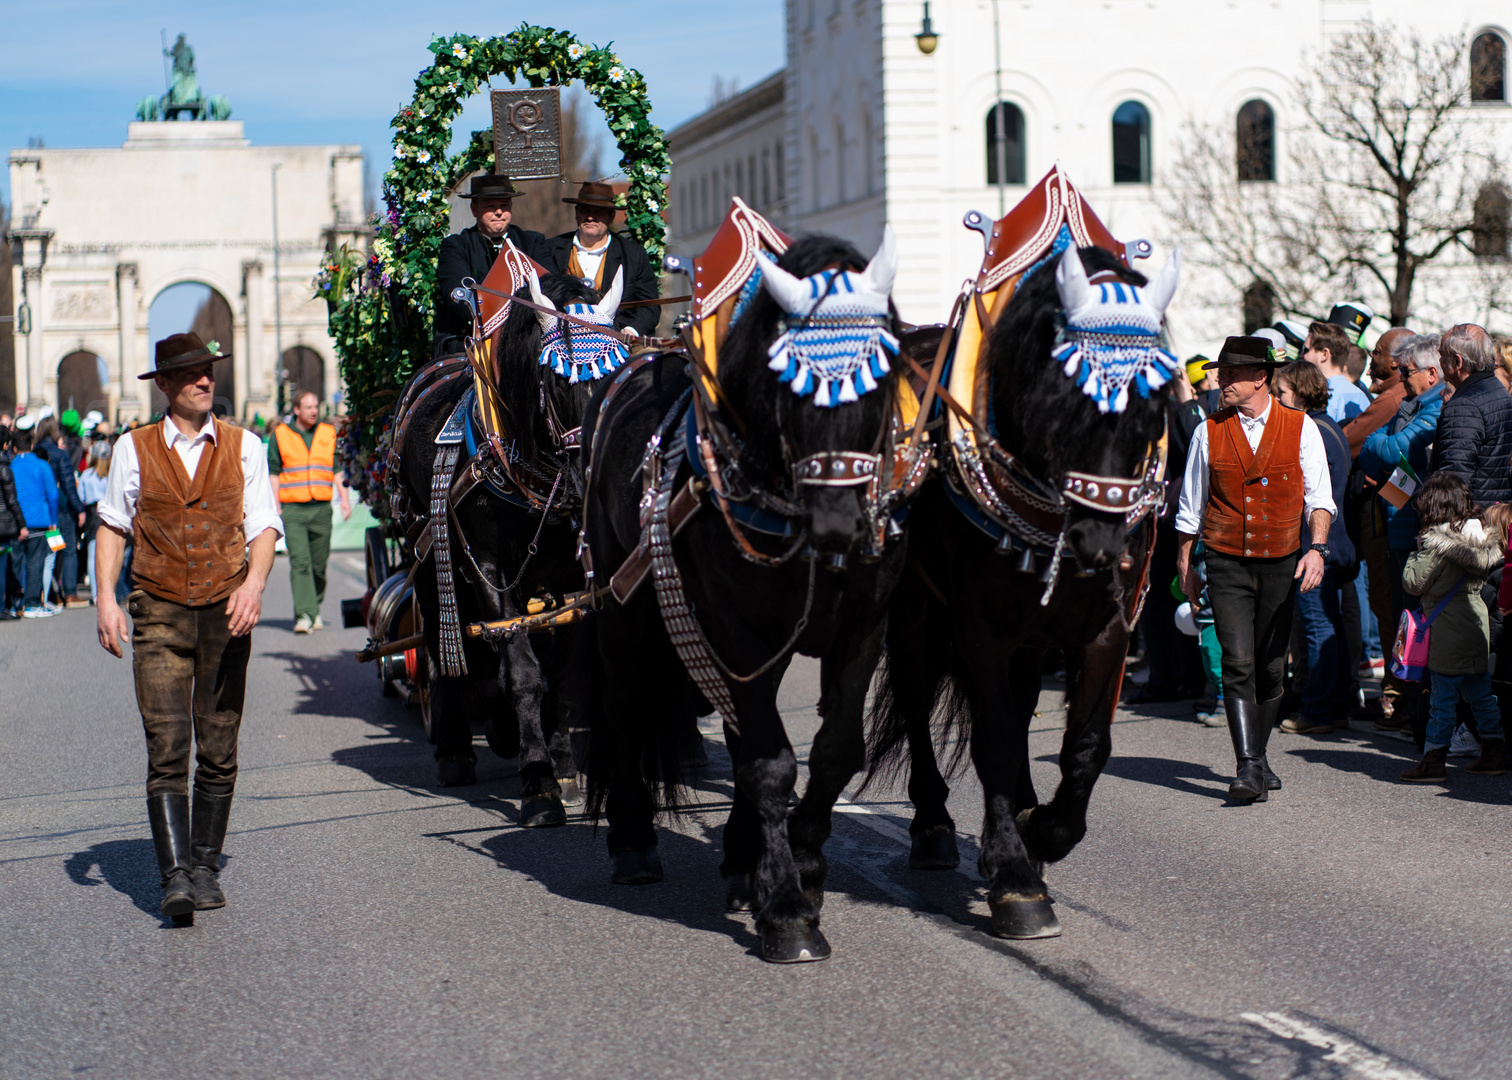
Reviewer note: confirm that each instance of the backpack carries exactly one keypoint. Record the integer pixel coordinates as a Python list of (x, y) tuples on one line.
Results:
[(1409, 656)]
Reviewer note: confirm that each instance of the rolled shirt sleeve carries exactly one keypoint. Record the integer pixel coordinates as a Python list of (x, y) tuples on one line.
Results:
[(1192, 505), (122, 485), (1317, 488), (259, 506)]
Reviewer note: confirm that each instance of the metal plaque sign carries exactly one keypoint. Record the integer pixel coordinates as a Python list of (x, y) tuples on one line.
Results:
[(527, 126)]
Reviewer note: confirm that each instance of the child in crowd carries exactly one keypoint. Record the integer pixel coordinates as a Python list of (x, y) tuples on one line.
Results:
[(1455, 554)]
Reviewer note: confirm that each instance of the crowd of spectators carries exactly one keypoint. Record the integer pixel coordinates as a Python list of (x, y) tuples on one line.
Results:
[(1420, 460), (53, 472)]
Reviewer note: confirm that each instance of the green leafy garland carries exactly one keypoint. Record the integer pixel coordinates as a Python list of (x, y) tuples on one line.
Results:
[(380, 305)]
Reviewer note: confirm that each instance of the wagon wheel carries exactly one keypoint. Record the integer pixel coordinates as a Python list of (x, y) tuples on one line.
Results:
[(376, 550)]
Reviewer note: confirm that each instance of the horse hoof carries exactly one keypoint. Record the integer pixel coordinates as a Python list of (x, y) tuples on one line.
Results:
[(740, 893), (456, 772), (793, 946), (636, 867), (572, 792), (1024, 917), (934, 849), (542, 812)]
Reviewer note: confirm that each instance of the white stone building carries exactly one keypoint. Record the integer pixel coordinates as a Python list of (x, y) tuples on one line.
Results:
[(98, 234), (875, 130)]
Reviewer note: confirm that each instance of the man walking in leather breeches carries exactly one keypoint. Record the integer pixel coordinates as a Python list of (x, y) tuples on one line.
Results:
[(1257, 475), (192, 494)]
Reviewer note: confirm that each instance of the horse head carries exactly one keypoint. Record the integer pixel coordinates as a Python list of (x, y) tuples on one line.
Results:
[(547, 364), (1078, 377), (803, 365)]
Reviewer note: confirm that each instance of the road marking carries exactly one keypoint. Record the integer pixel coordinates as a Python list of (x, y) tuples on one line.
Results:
[(1360, 1061)]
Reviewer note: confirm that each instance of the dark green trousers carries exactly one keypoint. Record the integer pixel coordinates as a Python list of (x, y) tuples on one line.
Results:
[(307, 532)]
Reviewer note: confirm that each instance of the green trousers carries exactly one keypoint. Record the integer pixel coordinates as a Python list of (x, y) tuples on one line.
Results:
[(307, 532)]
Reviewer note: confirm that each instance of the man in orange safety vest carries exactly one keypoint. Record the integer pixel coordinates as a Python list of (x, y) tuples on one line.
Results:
[(302, 462)]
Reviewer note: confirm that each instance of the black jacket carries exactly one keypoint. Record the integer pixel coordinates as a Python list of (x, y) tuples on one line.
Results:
[(640, 279), (1474, 437), (10, 507), (68, 480), (1342, 530), (471, 254)]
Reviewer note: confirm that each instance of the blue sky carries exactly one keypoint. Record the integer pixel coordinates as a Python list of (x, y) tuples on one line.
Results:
[(336, 72)]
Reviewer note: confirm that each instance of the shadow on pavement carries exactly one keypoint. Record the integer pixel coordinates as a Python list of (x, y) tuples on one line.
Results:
[(1166, 773), (336, 685), (127, 866), (572, 863), (1385, 765)]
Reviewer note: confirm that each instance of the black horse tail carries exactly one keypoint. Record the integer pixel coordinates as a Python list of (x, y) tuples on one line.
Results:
[(671, 747), (930, 691)]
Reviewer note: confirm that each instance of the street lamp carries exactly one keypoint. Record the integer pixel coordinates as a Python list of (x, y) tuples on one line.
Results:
[(926, 38)]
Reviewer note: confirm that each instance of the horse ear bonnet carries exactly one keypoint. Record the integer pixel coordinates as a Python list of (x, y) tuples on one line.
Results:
[(574, 351), (835, 344), (1111, 340)]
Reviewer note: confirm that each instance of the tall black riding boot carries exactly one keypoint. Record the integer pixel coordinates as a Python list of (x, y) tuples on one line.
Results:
[(1269, 712), (168, 811), (1245, 728), (211, 813)]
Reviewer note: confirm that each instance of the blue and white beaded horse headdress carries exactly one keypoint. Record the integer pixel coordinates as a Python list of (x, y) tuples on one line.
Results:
[(835, 344), (576, 352), (1111, 340)]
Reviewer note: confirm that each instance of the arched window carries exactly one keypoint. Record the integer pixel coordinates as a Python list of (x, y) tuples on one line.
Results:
[(1131, 144), (1488, 68), (1255, 143), (1492, 222), (303, 370), (82, 379), (1012, 156), (1259, 308)]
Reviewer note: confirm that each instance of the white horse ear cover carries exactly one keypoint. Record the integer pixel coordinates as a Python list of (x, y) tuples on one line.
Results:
[(1111, 340), (836, 343)]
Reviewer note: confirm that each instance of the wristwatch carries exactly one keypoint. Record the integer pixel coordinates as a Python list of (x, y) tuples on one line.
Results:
[(1321, 549)]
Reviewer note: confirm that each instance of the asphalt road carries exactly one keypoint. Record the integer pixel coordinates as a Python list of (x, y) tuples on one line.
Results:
[(381, 927)]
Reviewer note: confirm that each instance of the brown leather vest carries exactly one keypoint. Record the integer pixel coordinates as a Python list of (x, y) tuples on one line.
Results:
[(1254, 506), (187, 535)]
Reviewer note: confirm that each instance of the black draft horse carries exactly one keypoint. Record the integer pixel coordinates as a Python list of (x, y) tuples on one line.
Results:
[(967, 631), (520, 684), (753, 617)]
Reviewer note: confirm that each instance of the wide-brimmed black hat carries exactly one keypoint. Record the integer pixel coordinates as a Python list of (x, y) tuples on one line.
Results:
[(595, 193), (182, 350), (490, 186), (1245, 352)]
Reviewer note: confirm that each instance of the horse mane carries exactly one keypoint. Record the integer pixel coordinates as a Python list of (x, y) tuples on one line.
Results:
[(517, 349), (1038, 412), (764, 404)]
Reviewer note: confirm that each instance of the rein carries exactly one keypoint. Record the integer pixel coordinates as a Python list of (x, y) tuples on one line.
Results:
[(607, 331)]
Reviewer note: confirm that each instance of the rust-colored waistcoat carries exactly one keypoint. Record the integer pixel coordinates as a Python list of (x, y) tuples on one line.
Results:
[(1254, 506), (187, 535)]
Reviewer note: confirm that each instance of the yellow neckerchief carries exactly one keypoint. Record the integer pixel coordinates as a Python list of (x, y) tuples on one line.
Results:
[(575, 268)]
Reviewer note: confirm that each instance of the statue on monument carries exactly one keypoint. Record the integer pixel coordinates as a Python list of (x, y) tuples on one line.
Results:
[(184, 97)]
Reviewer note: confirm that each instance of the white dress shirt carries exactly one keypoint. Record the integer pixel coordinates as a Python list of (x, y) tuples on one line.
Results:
[(1317, 491), (589, 259), (124, 484)]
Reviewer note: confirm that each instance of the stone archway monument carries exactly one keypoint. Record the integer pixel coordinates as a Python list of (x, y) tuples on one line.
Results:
[(100, 232)]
